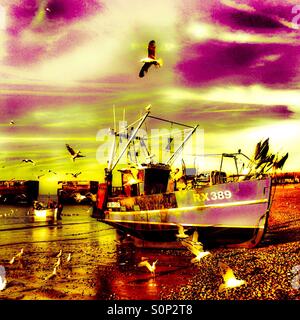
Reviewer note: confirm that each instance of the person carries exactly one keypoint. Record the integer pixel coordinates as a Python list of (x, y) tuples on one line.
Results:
[(59, 210)]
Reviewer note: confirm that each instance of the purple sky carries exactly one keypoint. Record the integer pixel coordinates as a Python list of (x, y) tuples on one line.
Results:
[(231, 66)]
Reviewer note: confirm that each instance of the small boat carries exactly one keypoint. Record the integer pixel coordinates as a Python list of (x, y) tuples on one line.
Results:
[(41, 212), (45, 214), (225, 210)]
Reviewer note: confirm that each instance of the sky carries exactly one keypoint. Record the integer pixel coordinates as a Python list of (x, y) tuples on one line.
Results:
[(230, 66)]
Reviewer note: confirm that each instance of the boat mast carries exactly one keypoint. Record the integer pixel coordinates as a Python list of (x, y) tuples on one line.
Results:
[(112, 165)]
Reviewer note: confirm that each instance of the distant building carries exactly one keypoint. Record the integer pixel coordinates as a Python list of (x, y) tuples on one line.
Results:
[(286, 178), (18, 191)]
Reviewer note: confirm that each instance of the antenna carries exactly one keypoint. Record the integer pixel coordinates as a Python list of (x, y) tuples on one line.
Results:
[(114, 113)]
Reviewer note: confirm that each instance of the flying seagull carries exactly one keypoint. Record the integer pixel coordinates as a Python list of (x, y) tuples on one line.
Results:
[(27, 161), (51, 171), (150, 267), (230, 281), (73, 153), (78, 197), (196, 248), (150, 60), (181, 233), (75, 175), (18, 255), (12, 122)]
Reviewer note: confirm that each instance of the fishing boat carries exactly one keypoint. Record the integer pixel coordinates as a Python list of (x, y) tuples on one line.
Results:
[(226, 210)]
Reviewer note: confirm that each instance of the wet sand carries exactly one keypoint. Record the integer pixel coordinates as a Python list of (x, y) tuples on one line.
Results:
[(103, 267)]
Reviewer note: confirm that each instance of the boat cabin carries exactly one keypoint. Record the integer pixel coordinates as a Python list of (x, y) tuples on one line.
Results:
[(145, 180)]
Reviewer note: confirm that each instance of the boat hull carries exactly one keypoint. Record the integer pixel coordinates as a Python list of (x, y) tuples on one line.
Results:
[(45, 214), (229, 214)]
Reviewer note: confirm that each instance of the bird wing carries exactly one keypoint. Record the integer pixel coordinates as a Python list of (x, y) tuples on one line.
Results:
[(180, 228), (144, 69), (79, 156), (148, 265), (71, 150), (226, 271), (195, 236), (194, 250), (143, 263), (228, 274)]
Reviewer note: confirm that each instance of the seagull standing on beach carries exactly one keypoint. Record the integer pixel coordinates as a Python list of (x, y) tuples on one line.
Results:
[(230, 281), (59, 254), (17, 256), (20, 254), (73, 153), (69, 257), (12, 261)]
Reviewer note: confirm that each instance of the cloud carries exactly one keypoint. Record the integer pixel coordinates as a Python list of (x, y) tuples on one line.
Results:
[(255, 16), (98, 44), (212, 62)]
